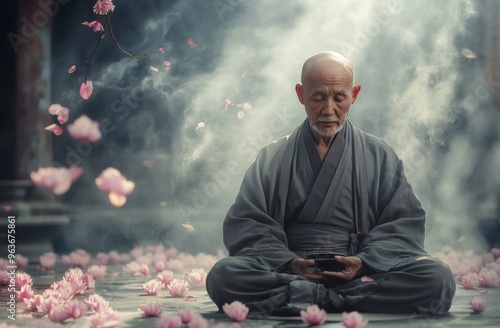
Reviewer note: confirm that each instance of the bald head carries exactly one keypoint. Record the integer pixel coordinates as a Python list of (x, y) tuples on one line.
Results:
[(323, 57)]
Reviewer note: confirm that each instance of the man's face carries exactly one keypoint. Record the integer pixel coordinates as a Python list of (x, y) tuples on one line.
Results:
[(327, 94)]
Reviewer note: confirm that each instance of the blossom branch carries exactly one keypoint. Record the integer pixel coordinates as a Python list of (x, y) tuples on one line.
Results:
[(108, 24)]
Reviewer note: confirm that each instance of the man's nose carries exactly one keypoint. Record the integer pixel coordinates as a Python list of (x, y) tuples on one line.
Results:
[(330, 107)]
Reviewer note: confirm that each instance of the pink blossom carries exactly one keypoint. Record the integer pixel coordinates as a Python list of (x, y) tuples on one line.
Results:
[(477, 304), (47, 260), (178, 288), (353, 320), (200, 125), (96, 25), (144, 270), (86, 90), (34, 302), (247, 106), (192, 44), (236, 311), (487, 278), (154, 69), (72, 69), (152, 287), (78, 258), (169, 321), (165, 276), (188, 227), (159, 265), (241, 114), (495, 252), (162, 50), (228, 103), (89, 281), (58, 179), (47, 303), (4, 277), (470, 280), (22, 278), (175, 265), (96, 303), (21, 260), (98, 272), (198, 322), (75, 309), (112, 181), (114, 257), (187, 314), (151, 309), (84, 129), (105, 319), (54, 128), (58, 314), (61, 112), (25, 293), (313, 315), (197, 277), (102, 7)]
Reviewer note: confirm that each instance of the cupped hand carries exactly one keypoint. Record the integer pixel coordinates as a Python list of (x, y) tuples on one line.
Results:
[(300, 266), (353, 267)]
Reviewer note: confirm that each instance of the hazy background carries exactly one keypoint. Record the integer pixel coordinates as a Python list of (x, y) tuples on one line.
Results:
[(418, 93)]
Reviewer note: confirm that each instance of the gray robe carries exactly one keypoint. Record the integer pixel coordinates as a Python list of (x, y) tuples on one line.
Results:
[(369, 182), (356, 202)]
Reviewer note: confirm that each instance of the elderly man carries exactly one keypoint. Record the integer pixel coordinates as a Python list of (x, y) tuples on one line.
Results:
[(326, 216)]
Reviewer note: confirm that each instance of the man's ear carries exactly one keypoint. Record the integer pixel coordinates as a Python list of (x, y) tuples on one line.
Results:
[(300, 93), (355, 91)]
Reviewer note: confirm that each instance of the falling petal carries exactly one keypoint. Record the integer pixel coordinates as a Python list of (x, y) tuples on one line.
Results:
[(194, 46), (241, 114), (244, 74), (154, 69), (162, 50), (117, 200), (86, 90), (149, 163), (55, 128), (75, 173), (96, 25), (7, 208), (84, 129), (247, 106), (72, 69), (200, 125), (467, 53), (163, 204), (188, 227), (228, 103), (190, 41), (166, 63)]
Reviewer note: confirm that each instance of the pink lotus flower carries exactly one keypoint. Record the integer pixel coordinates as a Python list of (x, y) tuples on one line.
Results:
[(21, 260), (487, 278), (34, 302), (89, 281), (102, 7), (353, 320), (151, 309), (187, 315), (159, 265), (96, 303), (58, 314), (96, 25), (152, 287), (495, 252), (47, 303), (165, 276), (22, 278), (470, 280), (4, 278), (86, 89), (112, 182), (105, 319), (178, 288), (198, 322), (477, 304), (58, 179), (169, 321), (25, 293), (236, 311), (72, 69), (98, 272), (84, 129), (75, 309), (78, 258), (47, 260), (54, 128), (61, 112), (313, 315), (197, 277)]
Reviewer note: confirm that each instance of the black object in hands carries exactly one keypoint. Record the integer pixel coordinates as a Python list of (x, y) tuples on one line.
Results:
[(325, 262)]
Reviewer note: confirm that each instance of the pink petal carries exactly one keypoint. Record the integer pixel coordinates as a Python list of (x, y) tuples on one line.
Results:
[(154, 69), (72, 69), (86, 90), (241, 114), (7, 208), (467, 53), (55, 128), (188, 227), (190, 41), (244, 74), (200, 125), (190, 299), (162, 50)]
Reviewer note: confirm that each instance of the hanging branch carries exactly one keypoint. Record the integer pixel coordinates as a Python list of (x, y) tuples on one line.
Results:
[(108, 24)]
